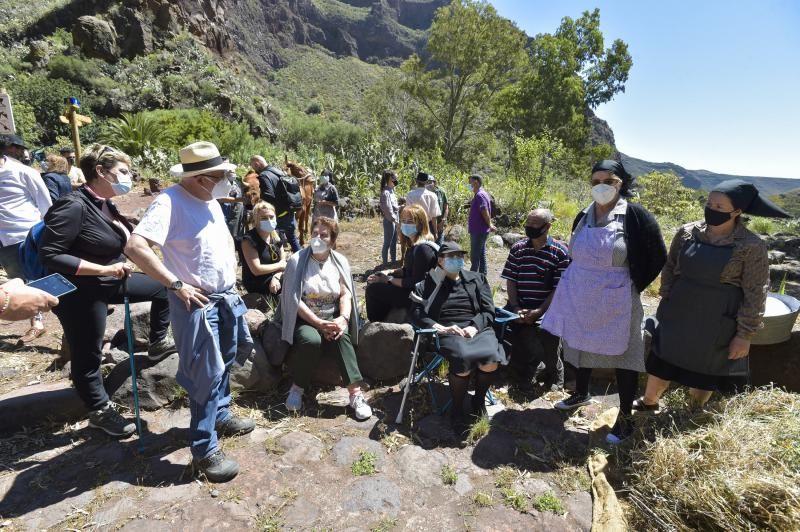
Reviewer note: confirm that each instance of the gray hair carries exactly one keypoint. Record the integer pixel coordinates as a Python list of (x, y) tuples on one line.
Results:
[(544, 214)]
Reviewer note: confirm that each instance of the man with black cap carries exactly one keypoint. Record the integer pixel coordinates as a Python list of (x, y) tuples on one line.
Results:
[(24, 200), (713, 293), (207, 314), (74, 171), (426, 199)]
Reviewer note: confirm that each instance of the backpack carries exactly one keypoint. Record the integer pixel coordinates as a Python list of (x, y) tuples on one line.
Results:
[(287, 191), (32, 267)]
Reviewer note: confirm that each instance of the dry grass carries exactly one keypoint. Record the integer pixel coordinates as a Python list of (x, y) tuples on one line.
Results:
[(735, 467)]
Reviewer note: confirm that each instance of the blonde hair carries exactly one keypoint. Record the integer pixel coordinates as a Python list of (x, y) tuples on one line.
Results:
[(420, 219), (57, 164), (259, 211), (105, 156)]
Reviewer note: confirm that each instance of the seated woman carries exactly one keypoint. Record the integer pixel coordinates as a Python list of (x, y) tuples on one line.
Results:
[(458, 304), (319, 313), (262, 255), (713, 292), (83, 240), (389, 289)]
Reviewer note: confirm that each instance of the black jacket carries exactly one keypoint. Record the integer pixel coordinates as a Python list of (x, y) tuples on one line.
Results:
[(57, 184), (76, 229), (477, 287), (647, 253)]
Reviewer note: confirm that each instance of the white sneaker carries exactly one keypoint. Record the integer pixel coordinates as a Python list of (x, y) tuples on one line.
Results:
[(360, 407), (294, 402)]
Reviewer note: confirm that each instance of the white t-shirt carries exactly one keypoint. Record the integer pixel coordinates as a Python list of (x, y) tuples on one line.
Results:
[(322, 288), (76, 176), (426, 199), (193, 237), (24, 200)]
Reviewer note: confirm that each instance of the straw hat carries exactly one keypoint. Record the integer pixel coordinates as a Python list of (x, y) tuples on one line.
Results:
[(200, 158)]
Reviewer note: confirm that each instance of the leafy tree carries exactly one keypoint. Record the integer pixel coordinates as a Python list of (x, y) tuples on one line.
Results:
[(663, 194), (570, 72), (472, 53), (134, 133)]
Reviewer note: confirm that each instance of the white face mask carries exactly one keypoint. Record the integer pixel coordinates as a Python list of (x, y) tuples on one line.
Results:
[(603, 194), (318, 246), (221, 189)]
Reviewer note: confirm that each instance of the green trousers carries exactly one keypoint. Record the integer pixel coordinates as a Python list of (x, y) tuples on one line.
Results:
[(308, 348)]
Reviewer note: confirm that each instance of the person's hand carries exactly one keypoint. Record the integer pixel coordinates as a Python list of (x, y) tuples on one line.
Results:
[(342, 324), (530, 316), (492, 228), (470, 332), (281, 264), (738, 348), (374, 278), (191, 295), (24, 301), (274, 285), (118, 270), (452, 329)]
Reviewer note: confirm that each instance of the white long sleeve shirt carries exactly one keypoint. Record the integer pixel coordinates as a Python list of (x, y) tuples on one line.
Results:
[(23, 200)]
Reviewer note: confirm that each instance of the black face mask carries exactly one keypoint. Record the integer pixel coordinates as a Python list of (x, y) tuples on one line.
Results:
[(716, 217), (535, 232)]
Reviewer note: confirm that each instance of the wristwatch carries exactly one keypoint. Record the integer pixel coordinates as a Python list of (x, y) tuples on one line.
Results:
[(176, 285)]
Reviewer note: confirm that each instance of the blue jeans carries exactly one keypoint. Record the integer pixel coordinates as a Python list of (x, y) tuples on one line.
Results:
[(288, 225), (477, 251), (389, 241), (215, 410)]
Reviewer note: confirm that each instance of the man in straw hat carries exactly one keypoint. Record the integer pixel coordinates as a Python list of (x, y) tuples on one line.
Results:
[(207, 315)]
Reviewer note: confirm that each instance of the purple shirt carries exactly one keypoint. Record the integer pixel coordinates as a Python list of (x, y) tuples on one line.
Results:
[(476, 224)]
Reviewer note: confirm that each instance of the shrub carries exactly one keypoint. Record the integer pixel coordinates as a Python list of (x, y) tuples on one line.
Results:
[(314, 108), (664, 195), (364, 464), (762, 226), (134, 133), (449, 475), (548, 502), (82, 71)]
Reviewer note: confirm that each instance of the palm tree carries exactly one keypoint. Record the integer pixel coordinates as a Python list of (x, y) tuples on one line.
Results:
[(133, 133)]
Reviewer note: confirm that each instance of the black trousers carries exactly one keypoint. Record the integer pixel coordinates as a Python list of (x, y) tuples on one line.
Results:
[(381, 298), (531, 346), (83, 317)]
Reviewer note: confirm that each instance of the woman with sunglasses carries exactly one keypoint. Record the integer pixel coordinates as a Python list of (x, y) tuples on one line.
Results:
[(713, 293), (617, 251), (262, 255)]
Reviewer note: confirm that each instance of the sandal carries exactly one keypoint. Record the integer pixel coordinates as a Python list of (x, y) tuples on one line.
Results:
[(32, 334), (640, 406)]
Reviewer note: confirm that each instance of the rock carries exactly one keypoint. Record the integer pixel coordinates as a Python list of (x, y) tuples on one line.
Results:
[(96, 38), (456, 233), (156, 382), (348, 448), (420, 467), (384, 350), (265, 304), (254, 319), (777, 363), (496, 241), (301, 447), (31, 405), (155, 185), (509, 239), (776, 257), (463, 485), (376, 494), (38, 53), (579, 509), (270, 344), (534, 486), (138, 36), (256, 374), (115, 356), (140, 325)]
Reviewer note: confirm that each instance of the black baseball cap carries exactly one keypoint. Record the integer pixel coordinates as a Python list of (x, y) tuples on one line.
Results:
[(13, 140), (422, 177), (450, 247)]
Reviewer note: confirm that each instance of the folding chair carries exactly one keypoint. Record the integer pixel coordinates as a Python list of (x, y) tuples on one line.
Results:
[(428, 341)]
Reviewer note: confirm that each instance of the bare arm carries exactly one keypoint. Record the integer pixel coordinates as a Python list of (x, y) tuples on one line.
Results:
[(254, 262), (511, 288)]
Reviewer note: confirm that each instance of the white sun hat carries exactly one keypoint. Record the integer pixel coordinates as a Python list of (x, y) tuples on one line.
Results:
[(200, 158)]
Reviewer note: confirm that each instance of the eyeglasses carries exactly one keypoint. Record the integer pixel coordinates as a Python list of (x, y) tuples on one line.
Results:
[(609, 181)]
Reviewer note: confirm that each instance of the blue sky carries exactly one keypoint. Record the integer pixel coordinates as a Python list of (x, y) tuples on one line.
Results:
[(715, 85)]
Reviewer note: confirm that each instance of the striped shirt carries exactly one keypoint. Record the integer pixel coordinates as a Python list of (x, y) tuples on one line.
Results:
[(536, 271)]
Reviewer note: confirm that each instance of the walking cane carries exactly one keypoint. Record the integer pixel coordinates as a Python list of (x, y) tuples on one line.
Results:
[(409, 381), (133, 364)]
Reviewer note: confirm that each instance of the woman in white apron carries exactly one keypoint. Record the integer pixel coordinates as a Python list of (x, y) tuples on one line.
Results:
[(617, 251), (713, 292)]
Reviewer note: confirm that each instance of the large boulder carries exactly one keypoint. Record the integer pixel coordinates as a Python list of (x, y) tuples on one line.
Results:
[(509, 239), (156, 382), (96, 38), (384, 350), (456, 233), (140, 326), (137, 38)]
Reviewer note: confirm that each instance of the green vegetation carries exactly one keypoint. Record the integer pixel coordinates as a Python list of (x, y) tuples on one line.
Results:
[(514, 499), (479, 429), (341, 11), (483, 500), (385, 524), (548, 502), (364, 464), (672, 203), (449, 475)]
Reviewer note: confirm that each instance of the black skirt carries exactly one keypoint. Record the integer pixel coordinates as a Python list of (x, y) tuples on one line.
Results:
[(465, 354), (658, 367)]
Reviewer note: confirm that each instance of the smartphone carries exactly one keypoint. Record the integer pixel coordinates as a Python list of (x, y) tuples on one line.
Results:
[(54, 284)]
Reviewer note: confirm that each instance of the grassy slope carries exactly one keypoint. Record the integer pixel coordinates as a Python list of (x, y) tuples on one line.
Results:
[(314, 75)]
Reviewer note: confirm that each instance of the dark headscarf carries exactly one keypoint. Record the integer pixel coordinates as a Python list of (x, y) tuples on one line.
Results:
[(616, 168), (422, 177), (745, 196)]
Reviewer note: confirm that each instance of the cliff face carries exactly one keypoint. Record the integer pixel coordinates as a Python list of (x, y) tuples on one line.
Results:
[(384, 31)]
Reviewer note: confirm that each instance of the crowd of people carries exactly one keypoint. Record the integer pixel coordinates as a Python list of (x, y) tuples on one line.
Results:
[(577, 302)]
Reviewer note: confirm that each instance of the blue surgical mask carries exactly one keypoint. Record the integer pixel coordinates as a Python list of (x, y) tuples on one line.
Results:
[(408, 230), (453, 264), (267, 225), (123, 184)]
